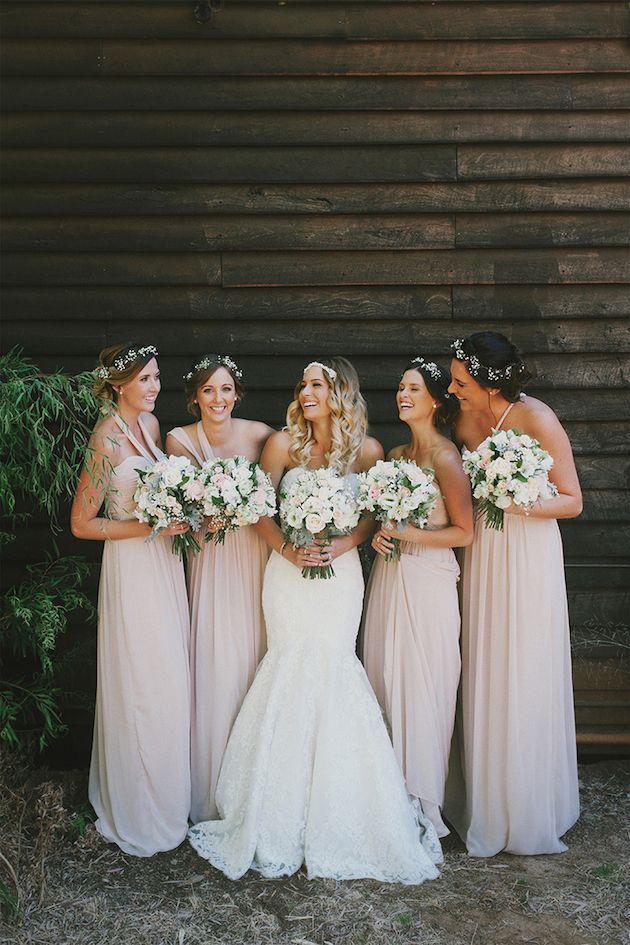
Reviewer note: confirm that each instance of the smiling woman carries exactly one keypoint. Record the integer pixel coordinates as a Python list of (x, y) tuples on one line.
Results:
[(519, 791), (309, 774), (227, 633), (139, 775), (411, 623)]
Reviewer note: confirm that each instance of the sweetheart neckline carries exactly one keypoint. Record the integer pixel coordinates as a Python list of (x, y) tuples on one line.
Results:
[(122, 462)]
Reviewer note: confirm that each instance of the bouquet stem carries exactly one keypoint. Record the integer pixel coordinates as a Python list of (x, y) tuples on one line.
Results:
[(394, 554), (493, 515), (314, 572), (183, 544)]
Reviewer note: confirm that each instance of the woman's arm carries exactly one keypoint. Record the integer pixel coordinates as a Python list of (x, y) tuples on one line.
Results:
[(175, 448), (543, 425), (92, 487), (371, 452), (90, 492), (455, 487), (274, 460)]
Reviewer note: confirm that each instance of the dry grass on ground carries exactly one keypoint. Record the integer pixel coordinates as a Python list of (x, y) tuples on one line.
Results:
[(64, 890)]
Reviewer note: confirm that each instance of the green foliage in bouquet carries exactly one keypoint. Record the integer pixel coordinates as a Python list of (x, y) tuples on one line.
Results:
[(45, 422)]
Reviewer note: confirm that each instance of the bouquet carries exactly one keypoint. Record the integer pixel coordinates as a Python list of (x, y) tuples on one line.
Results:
[(508, 467), (317, 504), (398, 491), (235, 492), (168, 492)]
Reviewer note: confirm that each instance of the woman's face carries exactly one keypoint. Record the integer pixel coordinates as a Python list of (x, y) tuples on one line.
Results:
[(470, 394), (412, 398), (216, 397), (313, 394), (140, 393)]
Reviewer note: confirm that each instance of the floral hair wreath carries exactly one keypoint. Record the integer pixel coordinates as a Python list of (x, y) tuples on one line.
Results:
[(430, 367), (222, 359), (332, 374), (120, 363), (475, 366)]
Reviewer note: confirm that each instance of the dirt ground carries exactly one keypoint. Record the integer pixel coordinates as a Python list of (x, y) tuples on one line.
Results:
[(63, 886)]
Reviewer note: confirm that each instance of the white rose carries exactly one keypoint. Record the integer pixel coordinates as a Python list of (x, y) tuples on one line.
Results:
[(314, 523)]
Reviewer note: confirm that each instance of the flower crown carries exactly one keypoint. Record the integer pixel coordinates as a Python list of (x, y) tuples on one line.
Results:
[(475, 367), (332, 374), (223, 359), (125, 359), (430, 367)]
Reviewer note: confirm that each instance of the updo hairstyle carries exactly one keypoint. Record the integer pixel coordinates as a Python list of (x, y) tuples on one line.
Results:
[(348, 414), (437, 380), (202, 370), (119, 364), (494, 362)]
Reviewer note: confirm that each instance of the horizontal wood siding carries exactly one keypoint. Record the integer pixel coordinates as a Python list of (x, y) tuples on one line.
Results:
[(369, 177)]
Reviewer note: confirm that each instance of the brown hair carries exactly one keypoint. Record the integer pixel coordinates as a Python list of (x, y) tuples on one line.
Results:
[(202, 370), (494, 361), (119, 364), (436, 379)]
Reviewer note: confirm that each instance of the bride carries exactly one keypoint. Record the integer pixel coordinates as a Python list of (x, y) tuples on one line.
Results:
[(309, 774)]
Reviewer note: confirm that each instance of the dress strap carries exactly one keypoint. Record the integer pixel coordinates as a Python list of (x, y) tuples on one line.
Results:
[(182, 437), (206, 449), (503, 416), (148, 449)]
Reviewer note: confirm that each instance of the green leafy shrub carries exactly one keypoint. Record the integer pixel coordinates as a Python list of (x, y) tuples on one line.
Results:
[(45, 423)]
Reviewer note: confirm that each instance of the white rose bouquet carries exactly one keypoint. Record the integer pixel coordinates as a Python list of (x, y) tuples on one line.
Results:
[(317, 504), (234, 492), (508, 468), (168, 491), (399, 492)]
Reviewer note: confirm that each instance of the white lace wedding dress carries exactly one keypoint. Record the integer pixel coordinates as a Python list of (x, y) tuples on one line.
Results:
[(309, 775)]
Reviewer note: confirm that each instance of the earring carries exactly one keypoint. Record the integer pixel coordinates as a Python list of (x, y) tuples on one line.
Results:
[(434, 406)]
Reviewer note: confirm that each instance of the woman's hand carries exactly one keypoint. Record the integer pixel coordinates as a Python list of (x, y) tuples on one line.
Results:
[(336, 547), (177, 528), (211, 525), (382, 541), (315, 555), (513, 509)]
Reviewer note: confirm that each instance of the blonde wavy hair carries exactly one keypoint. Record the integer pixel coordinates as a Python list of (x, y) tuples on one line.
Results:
[(348, 414)]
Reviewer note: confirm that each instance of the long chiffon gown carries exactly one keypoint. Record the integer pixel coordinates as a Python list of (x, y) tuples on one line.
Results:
[(411, 655), (139, 781), (309, 774), (513, 780), (227, 641)]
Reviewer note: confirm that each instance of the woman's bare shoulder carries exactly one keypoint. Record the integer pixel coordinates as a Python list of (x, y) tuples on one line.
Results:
[(106, 437), (534, 416), (188, 428), (397, 452), (256, 429), (371, 452)]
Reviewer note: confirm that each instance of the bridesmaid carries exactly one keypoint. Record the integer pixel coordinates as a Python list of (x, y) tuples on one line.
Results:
[(518, 752), (225, 581), (139, 776), (411, 622)]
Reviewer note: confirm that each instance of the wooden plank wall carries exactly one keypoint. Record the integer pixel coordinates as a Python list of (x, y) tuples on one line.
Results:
[(372, 178)]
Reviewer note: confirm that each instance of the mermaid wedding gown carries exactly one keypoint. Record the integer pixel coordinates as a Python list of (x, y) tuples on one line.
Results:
[(309, 774)]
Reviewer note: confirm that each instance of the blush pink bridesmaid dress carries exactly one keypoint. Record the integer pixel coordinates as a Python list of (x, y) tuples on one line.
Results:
[(513, 782), (139, 781), (227, 640), (411, 656)]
